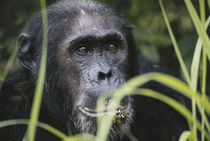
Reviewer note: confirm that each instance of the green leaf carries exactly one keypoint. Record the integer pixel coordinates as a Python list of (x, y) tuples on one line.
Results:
[(198, 26), (195, 64), (41, 79), (179, 56)]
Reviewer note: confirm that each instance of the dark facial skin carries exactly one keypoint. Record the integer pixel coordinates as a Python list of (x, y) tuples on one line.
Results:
[(96, 51)]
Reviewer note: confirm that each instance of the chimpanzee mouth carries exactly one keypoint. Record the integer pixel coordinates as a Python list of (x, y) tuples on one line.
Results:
[(120, 113)]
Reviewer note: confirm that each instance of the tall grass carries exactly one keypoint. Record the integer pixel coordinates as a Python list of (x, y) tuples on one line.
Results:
[(4, 72), (30, 134), (188, 88)]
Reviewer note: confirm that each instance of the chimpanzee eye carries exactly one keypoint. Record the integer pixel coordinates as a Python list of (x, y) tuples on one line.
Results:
[(112, 47), (83, 50)]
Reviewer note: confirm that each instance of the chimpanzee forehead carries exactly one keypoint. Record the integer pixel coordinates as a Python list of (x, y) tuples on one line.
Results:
[(91, 22)]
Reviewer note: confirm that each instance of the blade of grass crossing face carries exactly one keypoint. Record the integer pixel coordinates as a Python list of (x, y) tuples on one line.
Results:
[(104, 123), (41, 78), (179, 56), (147, 92), (198, 26), (131, 85), (164, 79)]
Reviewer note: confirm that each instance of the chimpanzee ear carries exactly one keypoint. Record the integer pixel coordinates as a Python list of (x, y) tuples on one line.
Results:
[(25, 52)]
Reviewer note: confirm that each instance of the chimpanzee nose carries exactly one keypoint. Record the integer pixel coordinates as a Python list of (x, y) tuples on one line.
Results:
[(102, 75), (104, 71)]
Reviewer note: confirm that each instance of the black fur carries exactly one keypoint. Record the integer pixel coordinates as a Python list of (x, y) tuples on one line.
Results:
[(70, 79)]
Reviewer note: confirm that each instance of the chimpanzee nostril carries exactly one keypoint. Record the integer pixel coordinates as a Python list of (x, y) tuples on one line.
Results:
[(103, 76), (109, 75)]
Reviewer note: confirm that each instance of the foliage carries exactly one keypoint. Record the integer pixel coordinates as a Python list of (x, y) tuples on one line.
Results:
[(188, 89)]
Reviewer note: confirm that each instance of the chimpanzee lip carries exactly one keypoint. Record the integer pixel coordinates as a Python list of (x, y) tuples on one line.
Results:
[(121, 113)]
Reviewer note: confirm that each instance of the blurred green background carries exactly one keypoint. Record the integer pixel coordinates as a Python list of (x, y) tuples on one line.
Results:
[(151, 35)]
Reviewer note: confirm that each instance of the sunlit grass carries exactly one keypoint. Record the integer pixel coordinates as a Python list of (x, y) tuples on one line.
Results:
[(188, 89), (39, 124), (12, 57), (32, 126)]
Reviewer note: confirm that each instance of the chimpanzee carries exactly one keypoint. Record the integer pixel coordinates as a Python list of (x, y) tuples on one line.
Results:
[(91, 50)]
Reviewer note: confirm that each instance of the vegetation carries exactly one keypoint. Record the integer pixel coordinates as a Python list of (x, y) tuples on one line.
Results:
[(188, 88)]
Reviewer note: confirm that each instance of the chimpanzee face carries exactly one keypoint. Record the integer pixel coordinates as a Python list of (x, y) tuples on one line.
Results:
[(88, 55), (94, 55)]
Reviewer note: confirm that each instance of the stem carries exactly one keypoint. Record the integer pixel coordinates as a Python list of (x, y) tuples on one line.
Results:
[(41, 78), (204, 70)]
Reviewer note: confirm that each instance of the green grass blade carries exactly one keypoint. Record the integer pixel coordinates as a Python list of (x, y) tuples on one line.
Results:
[(104, 123), (195, 64), (9, 63), (167, 80), (52, 130), (196, 59), (40, 124), (80, 137), (162, 97), (185, 136), (12, 57), (172, 82), (195, 68), (13, 122), (208, 3), (128, 133), (204, 70), (198, 26), (173, 103), (41, 78), (179, 56), (181, 87)]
